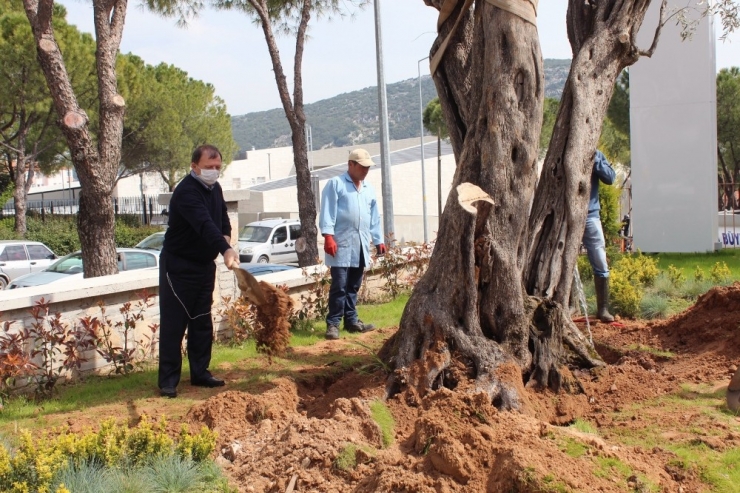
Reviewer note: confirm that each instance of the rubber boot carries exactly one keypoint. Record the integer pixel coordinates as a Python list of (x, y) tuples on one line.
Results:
[(602, 299)]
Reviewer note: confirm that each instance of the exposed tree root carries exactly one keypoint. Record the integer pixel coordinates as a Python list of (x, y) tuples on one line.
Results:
[(422, 358)]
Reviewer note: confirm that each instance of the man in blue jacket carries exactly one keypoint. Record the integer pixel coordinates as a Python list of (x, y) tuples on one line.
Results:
[(199, 229), (593, 236), (349, 222)]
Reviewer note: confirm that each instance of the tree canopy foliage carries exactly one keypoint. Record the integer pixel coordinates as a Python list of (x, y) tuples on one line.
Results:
[(167, 116), (29, 136), (728, 131)]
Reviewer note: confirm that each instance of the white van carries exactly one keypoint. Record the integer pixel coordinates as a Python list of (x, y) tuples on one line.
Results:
[(271, 241)]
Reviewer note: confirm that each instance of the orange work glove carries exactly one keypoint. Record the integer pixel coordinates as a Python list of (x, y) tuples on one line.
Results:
[(380, 249), (330, 246)]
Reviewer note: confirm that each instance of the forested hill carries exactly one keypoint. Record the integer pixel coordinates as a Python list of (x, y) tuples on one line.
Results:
[(352, 118)]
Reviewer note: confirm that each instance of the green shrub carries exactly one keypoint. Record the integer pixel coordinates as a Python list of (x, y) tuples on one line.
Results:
[(128, 236), (611, 223), (699, 275), (37, 464), (654, 306), (694, 288), (720, 273), (638, 268), (664, 286), (676, 276), (626, 295), (584, 268), (60, 232)]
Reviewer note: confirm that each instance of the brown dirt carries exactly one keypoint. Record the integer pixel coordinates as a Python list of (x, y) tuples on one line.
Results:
[(455, 441), (272, 335)]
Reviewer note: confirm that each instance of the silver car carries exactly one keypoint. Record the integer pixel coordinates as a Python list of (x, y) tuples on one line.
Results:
[(152, 242), (20, 257), (70, 267)]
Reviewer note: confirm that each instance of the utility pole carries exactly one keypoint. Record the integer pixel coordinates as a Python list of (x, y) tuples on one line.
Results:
[(385, 156), (421, 139), (269, 168)]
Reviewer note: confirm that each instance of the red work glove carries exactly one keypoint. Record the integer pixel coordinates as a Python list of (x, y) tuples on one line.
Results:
[(330, 246), (380, 249)]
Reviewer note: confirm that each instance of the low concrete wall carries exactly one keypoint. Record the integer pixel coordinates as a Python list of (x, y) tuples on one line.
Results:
[(80, 299)]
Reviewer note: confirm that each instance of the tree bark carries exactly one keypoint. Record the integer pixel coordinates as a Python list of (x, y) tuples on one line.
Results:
[(297, 119), (487, 299), (470, 301), (602, 37), (96, 165)]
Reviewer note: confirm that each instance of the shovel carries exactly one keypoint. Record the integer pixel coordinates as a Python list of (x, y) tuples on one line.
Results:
[(249, 286)]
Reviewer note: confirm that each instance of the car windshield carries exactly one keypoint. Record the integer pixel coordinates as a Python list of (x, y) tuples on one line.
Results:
[(71, 264), (153, 242), (255, 234)]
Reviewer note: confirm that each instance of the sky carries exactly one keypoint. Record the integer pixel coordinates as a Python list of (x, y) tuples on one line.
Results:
[(229, 51)]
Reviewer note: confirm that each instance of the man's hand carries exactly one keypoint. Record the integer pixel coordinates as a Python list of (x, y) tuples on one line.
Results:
[(330, 246), (231, 258), (380, 249)]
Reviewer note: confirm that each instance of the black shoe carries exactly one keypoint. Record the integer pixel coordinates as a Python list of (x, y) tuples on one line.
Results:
[(358, 327), (332, 332), (209, 381), (169, 392)]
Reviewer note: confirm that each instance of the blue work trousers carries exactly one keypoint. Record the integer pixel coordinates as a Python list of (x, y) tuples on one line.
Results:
[(593, 240), (345, 283)]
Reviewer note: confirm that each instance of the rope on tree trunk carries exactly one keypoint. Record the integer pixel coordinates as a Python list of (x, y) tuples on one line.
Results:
[(526, 9)]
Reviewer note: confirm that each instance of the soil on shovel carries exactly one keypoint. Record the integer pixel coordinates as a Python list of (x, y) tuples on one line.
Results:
[(303, 434)]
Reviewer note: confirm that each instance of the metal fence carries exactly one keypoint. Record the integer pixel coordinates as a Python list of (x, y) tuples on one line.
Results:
[(145, 207)]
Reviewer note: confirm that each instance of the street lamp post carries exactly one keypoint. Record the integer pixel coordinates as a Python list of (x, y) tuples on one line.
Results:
[(421, 139), (269, 168), (385, 156)]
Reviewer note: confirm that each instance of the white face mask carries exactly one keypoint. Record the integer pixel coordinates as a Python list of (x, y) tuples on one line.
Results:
[(209, 176)]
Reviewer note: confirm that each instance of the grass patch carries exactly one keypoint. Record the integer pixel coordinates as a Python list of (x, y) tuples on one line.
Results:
[(547, 484), (574, 448), (347, 458), (687, 262), (717, 469), (584, 426), (383, 417), (651, 350), (607, 467)]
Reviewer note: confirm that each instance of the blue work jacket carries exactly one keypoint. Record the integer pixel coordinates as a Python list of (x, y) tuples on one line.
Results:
[(351, 215), (604, 172)]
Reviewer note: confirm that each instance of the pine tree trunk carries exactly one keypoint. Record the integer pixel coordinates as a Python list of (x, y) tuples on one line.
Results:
[(96, 165), (306, 199)]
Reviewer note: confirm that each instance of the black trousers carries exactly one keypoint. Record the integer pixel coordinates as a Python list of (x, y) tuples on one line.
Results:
[(185, 299)]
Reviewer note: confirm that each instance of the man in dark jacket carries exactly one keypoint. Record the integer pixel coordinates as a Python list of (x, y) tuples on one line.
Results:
[(198, 230), (593, 236)]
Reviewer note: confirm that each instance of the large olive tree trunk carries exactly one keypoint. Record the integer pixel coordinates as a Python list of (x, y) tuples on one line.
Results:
[(477, 303), (96, 160)]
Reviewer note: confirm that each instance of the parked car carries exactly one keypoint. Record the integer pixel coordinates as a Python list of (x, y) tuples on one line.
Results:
[(70, 267), (269, 241), (20, 257), (261, 269), (152, 242)]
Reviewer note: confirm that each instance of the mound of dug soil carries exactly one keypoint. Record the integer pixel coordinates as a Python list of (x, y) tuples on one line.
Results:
[(452, 442), (712, 325), (303, 436)]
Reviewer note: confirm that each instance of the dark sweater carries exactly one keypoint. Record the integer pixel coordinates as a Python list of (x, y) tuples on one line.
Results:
[(198, 222)]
